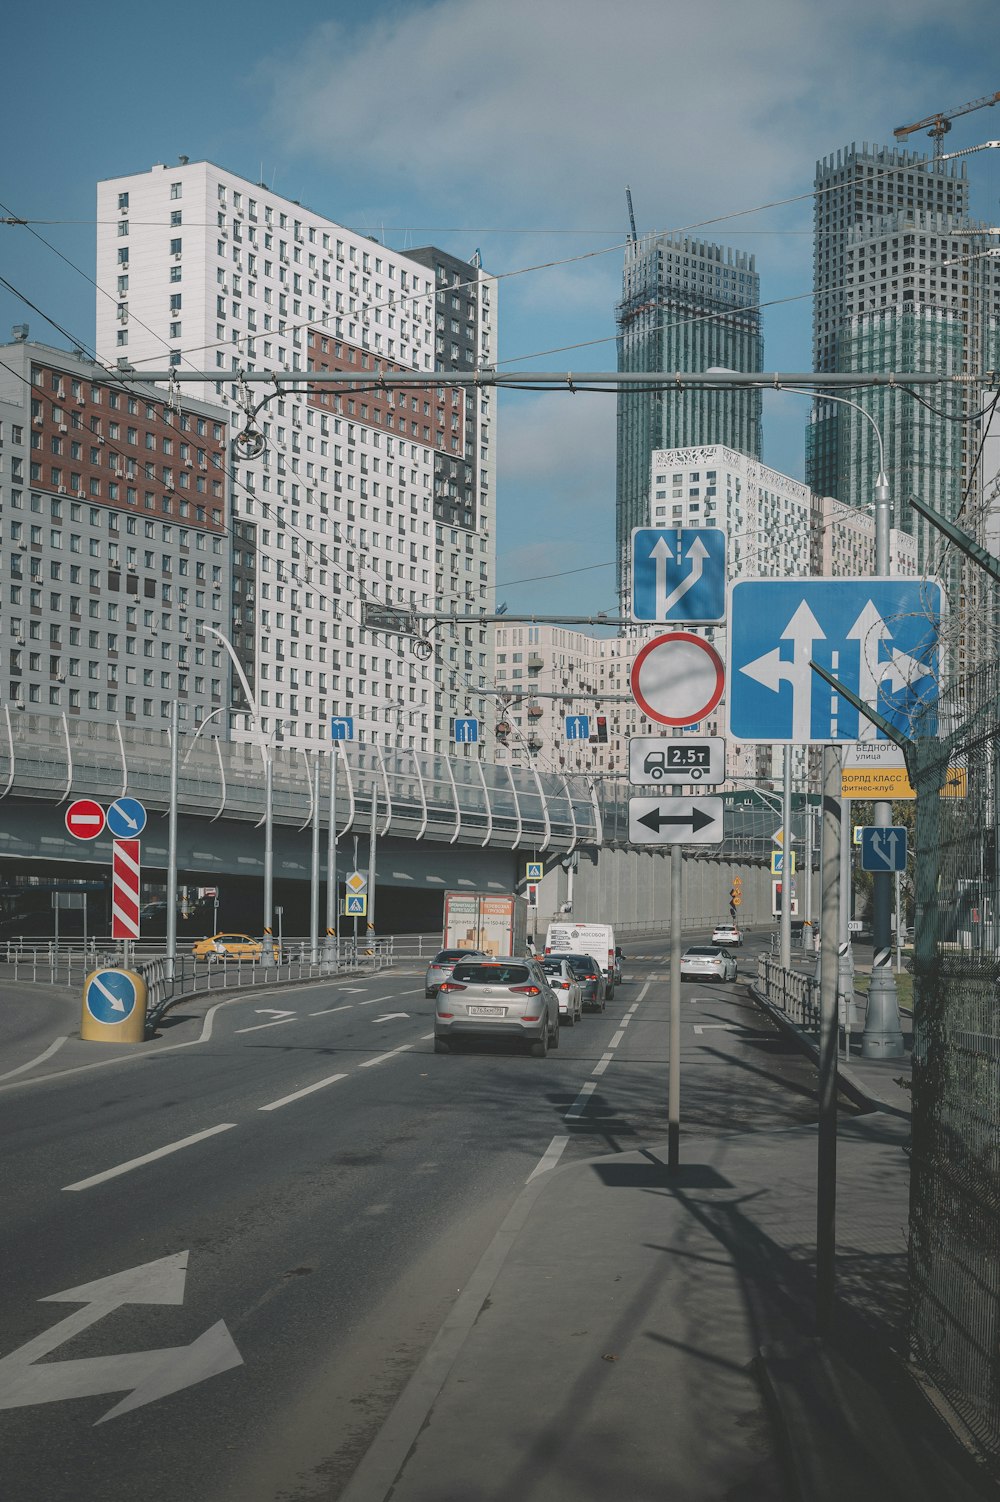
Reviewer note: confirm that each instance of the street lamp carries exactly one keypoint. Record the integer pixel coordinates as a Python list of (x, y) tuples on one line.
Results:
[(264, 746)]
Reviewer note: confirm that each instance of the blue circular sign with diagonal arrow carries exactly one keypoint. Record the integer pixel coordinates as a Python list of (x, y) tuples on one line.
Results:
[(110, 996), (126, 818)]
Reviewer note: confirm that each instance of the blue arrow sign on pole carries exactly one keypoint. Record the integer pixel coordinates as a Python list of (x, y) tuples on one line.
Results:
[(126, 818), (342, 727), (111, 996), (679, 574), (466, 731), (876, 636), (578, 727), (883, 849)]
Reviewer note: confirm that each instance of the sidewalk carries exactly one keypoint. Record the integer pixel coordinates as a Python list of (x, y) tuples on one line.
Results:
[(644, 1335)]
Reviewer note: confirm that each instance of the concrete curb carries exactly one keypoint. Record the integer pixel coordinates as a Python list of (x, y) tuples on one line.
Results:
[(863, 1095)]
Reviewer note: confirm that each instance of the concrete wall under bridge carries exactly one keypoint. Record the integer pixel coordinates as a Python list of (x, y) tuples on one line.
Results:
[(630, 888)]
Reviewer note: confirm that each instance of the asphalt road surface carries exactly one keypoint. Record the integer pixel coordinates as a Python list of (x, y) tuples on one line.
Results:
[(223, 1260)]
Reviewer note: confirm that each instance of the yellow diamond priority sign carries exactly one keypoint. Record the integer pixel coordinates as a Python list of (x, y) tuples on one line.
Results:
[(356, 883)]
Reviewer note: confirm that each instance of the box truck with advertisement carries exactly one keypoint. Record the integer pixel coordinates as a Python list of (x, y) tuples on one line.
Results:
[(597, 939), (493, 922)]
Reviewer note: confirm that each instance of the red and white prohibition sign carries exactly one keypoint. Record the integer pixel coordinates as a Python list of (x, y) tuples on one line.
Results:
[(85, 819), (677, 678), (125, 890)]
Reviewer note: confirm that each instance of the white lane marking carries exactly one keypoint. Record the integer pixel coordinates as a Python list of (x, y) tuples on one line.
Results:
[(389, 1016), (347, 1006), (602, 1064), (716, 1027), (383, 1056), (160, 1152), (426, 1037), (258, 1025), (580, 1104), (286, 1100), (549, 1158), (52, 1048), (619, 1035), (373, 999)]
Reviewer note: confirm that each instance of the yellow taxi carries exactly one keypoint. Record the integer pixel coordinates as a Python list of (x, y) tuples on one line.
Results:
[(233, 946)]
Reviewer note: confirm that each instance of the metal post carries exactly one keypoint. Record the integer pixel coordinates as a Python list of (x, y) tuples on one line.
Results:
[(171, 946), (883, 1036), (314, 889), (331, 851), (787, 862), (826, 1164), (268, 849), (845, 968), (371, 858), (674, 1068), (85, 932), (807, 925)]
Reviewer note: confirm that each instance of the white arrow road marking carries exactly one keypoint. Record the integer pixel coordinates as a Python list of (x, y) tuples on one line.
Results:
[(272, 1012), (160, 1152), (147, 1375), (388, 1016), (116, 1002)]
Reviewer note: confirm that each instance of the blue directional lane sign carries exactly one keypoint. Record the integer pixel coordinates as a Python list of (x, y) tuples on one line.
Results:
[(883, 849), (110, 996), (878, 637), (342, 727), (679, 574), (126, 818), (466, 731), (577, 727)]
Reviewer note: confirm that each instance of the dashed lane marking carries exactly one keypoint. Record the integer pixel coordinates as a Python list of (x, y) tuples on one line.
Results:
[(160, 1152), (286, 1100)]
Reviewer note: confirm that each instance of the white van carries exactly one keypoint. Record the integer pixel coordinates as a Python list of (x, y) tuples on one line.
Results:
[(597, 939)]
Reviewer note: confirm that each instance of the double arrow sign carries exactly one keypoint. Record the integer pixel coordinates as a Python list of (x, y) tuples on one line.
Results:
[(675, 821)]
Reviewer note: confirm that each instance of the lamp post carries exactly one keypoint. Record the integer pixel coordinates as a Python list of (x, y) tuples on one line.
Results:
[(265, 748)]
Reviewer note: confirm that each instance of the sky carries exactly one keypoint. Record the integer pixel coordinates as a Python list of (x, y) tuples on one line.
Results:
[(511, 128)]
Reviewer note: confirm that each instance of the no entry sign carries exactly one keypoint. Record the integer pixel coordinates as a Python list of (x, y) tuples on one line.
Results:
[(85, 819)]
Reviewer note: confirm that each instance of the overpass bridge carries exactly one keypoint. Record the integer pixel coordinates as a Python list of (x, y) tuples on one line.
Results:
[(441, 822)]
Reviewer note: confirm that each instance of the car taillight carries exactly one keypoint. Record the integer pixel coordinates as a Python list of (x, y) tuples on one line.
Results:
[(590, 977), (525, 990), (563, 985), (451, 985)]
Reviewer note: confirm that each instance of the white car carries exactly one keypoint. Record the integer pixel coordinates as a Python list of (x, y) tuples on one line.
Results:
[(706, 962), (563, 981), (726, 933)]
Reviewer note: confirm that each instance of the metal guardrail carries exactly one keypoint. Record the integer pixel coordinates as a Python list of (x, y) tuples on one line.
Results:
[(794, 994)]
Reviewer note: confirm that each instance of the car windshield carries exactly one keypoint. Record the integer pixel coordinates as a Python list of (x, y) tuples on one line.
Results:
[(497, 974)]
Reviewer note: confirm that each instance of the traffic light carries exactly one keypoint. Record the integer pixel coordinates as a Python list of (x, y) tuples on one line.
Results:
[(602, 728)]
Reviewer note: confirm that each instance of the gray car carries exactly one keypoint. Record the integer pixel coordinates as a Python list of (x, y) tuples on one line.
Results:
[(591, 977), (497, 998), (442, 965)]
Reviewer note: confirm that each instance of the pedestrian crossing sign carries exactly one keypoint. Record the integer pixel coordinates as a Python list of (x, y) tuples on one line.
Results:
[(356, 906)]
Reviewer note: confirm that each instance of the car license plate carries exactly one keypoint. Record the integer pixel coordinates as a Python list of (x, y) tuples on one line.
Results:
[(487, 1011)]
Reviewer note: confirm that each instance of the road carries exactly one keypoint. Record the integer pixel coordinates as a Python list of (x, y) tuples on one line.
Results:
[(313, 1186)]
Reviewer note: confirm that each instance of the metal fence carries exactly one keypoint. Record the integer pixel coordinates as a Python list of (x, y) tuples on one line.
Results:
[(955, 1173)]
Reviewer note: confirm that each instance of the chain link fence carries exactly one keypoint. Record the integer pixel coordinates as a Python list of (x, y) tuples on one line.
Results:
[(955, 1173)]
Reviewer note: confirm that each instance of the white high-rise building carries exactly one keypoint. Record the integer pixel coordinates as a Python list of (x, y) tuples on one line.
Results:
[(360, 493)]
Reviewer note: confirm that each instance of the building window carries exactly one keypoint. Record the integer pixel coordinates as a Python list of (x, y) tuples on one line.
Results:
[(175, 247), (176, 190)]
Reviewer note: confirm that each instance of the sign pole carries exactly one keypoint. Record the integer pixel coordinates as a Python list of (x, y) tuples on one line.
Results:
[(172, 847), (826, 1164), (331, 851), (787, 864), (371, 858), (314, 873), (674, 1070)]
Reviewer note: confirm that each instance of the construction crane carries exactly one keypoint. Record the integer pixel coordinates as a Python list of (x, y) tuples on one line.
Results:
[(940, 124), (631, 217)]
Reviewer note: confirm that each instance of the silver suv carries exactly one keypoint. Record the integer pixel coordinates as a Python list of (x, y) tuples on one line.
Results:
[(497, 998)]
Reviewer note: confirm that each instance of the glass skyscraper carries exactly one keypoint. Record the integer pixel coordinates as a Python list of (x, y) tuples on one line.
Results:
[(686, 306)]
